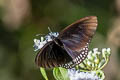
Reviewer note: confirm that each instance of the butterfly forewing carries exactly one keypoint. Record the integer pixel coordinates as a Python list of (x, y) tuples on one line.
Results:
[(76, 37), (78, 34), (52, 55)]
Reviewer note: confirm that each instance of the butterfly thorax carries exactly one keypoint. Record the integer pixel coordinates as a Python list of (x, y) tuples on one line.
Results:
[(53, 36), (58, 42)]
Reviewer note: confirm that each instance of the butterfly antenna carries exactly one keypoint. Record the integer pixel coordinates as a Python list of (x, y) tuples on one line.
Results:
[(40, 34), (49, 30)]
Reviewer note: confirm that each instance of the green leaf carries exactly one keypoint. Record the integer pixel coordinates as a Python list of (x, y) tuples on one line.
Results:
[(43, 72), (60, 74), (64, 73), (57, 74)]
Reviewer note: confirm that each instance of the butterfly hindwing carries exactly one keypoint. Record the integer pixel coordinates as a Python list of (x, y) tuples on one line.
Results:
[(52, 55), (80, 56)]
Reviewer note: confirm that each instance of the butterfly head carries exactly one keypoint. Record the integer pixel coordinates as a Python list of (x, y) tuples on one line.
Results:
[(51, 36)]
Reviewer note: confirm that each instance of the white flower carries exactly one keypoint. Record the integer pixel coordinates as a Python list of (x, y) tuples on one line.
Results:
[(90, 55), (78, 75), (90, 52), (42, 39), (38, 44), (95, 50), (89, 63), (99, 53), (55, 34), (95, 59), (104, 50), (108, 50)]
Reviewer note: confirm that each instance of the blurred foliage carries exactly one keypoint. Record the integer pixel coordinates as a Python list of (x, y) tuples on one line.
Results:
[(16, 45)]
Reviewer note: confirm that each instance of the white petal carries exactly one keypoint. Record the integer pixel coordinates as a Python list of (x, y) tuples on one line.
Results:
[(42, 38)]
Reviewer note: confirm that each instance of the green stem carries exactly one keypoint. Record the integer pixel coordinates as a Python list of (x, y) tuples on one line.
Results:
[(104, 64)]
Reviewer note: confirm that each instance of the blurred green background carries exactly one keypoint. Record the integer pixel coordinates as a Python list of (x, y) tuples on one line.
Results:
[(21, 20)]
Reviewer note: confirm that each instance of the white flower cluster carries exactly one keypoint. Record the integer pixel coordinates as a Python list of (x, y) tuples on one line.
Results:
[(78, 75), (90, 68), (38, 44), (96, 60)]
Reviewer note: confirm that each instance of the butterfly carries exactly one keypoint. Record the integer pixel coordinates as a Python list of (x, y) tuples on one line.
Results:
[(70, 47)]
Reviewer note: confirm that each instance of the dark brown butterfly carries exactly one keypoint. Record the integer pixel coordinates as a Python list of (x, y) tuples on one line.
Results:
[(70, 47)]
